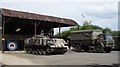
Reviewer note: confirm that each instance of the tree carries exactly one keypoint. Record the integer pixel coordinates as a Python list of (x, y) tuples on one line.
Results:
[(88, 26), (115, 33), (86, 23), (107, 31)]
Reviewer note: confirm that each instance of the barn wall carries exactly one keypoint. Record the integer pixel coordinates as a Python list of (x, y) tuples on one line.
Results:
[(19, 39)]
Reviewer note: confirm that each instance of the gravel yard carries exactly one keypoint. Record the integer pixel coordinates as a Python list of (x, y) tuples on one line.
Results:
[(70, 58)]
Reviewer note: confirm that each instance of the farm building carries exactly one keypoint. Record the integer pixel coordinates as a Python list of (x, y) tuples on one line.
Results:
[(18, 25)]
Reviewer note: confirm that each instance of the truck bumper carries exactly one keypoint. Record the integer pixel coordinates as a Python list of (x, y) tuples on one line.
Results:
[(109, 46)]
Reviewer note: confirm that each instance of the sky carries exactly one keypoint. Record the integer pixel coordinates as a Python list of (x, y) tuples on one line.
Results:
[(103, 13)]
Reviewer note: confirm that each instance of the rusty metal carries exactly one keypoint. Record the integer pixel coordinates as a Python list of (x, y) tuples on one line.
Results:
[(39, 17)]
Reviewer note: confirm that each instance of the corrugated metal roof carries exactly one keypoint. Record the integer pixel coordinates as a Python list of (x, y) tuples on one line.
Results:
[(32, 16)]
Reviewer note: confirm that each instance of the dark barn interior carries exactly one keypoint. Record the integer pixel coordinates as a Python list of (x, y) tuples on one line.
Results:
[(17, 25)]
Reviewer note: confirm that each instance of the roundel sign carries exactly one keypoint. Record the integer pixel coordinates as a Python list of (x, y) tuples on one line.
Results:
[(12, 45)]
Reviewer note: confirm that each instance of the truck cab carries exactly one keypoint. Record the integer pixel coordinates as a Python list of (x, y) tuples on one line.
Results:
[(106, 42)]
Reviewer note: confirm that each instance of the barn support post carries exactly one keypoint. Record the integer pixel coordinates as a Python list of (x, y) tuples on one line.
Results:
[(52, 32), (4, 20), (78, 27), (3, 41), (35, 25), (59, 30), (35, 28)]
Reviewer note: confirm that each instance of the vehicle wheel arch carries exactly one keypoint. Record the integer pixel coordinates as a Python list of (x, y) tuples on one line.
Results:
[(100, 44)]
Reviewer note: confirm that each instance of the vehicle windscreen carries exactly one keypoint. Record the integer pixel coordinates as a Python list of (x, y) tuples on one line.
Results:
[(109, 38)]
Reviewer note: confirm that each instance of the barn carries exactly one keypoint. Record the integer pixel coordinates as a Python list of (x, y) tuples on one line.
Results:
[(18, 25)]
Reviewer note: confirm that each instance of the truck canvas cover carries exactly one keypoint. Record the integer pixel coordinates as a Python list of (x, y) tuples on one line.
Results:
[(85, 34)]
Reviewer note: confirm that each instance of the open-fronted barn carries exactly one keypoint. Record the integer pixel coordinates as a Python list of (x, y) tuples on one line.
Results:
[(18, 25)]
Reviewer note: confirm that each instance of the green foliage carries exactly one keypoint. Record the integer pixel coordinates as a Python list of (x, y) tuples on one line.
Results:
[(88, 26), (115, 33), (67, 32), (107, 30), (86, 23)]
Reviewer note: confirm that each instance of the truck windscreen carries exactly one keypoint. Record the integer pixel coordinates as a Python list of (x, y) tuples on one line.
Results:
[(109, 38)]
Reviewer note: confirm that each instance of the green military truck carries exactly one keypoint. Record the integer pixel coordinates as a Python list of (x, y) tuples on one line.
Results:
[(93, 40)]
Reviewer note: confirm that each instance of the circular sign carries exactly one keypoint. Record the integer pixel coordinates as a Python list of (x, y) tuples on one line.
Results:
[(12, 45)]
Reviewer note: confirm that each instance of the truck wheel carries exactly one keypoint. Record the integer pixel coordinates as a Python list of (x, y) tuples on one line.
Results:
[(99, 48), (107, 49), (86, 49), (77, 48)]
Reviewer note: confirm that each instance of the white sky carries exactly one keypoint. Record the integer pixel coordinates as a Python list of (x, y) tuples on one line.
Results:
[(60, 0), (103, 13)]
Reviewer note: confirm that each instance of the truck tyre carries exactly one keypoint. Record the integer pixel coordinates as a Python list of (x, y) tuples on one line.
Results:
[(107, 49), (77, 48), (99, 48), (86, 49)]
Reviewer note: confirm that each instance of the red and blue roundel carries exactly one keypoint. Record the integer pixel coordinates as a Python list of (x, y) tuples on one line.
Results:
[(12, 45)]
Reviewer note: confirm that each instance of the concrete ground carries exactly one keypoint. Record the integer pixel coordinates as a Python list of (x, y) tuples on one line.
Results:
[(70, 58)]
